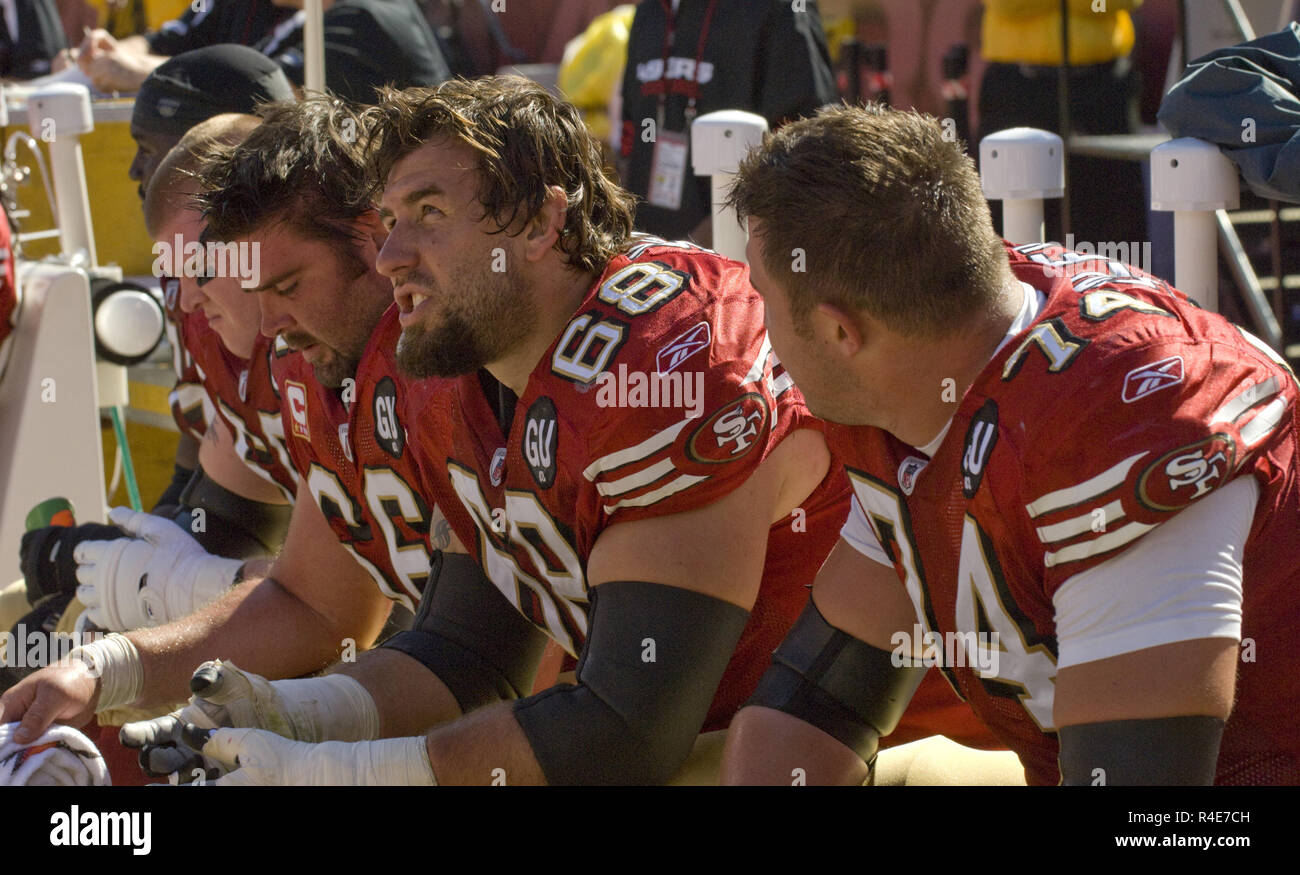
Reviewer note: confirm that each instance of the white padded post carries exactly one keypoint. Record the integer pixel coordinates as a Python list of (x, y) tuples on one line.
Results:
[(59, 114), (719, 140), (1020, 167), (313, 46), (49, 421), (1192, 179)]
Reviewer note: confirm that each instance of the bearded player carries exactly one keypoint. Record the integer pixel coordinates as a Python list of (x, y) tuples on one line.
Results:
[(1105, 501), (666, 549)]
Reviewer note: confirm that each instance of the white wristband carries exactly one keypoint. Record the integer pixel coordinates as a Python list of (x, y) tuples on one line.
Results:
[(335, 707), (395, 762), (116, 662)]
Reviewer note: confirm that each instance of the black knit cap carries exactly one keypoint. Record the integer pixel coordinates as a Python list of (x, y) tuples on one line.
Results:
[(198, 85)]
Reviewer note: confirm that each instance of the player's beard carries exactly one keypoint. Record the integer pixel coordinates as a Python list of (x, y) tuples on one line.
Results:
[(482, 321), (330, 371)]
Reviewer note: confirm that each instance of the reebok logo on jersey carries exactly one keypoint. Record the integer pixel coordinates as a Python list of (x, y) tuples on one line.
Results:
[(981, 437), (243, 385), (1143, 381), (540, 441), (389, 434), (683, 347), (908, 472), (296, 395)]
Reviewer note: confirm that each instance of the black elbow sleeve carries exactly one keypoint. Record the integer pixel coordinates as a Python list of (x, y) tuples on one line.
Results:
[(847, 688), (467, 634), (647, 677), (230, 525)]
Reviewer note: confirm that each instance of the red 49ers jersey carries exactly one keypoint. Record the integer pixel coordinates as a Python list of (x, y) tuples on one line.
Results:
[(350, 447), (1119, 406), (212, 378), (604, 434), (191, 407), (248, 400)]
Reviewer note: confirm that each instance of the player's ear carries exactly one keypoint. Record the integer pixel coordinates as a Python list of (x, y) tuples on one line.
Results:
[(839, 328), (545, 228)]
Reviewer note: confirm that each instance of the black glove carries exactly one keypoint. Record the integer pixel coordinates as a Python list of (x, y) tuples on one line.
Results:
[(45, 557)]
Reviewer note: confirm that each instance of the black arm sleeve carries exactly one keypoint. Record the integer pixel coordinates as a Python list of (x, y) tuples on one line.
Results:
[(468, 635), (852, 691), (169, 502), (1181, 751), (231, 525), (651, 667)]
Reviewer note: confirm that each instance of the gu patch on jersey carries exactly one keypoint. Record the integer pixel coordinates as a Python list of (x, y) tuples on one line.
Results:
[(540, 441), (296, 396), (981, 437), (1143, 381), (1181, 476), (389, 434), (731, 432)]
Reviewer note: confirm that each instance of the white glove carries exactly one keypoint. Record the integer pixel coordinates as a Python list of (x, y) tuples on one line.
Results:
[(160, 575), (311, 709), (258, 757)]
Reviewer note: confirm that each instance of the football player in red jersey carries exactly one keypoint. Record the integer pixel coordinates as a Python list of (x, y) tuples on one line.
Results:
[(665, 536), (318, 237), (242, 480), (1072, 485)]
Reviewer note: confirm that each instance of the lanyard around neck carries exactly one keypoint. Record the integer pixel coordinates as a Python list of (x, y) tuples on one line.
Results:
[(690, 87)]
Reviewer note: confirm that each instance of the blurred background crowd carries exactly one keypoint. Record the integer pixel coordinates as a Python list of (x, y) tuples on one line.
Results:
[(642, 71)]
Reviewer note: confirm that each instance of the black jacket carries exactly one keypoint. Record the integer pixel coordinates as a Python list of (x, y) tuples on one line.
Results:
[(760, 56), (40, 38)]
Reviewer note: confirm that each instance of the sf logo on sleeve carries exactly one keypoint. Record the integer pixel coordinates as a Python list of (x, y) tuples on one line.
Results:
[(731, 432), (1181, 476)]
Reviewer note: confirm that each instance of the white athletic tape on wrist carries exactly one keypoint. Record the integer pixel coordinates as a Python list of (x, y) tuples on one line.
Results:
[(331, 708), (116, 662), (335, 707), (259, 757), (399, 762)]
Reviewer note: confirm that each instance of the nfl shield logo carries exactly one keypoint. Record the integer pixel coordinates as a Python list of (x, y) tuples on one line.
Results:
[(908, 471)]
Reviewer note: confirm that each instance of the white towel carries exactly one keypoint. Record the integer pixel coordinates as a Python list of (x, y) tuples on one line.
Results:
[(62, 757)]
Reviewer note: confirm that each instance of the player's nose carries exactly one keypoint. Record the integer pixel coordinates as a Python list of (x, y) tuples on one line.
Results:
[(192, 296), (275, 318), (136, 170), (397, 255)]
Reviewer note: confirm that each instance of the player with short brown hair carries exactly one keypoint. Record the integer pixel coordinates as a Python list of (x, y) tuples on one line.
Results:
[(1069, 480)]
